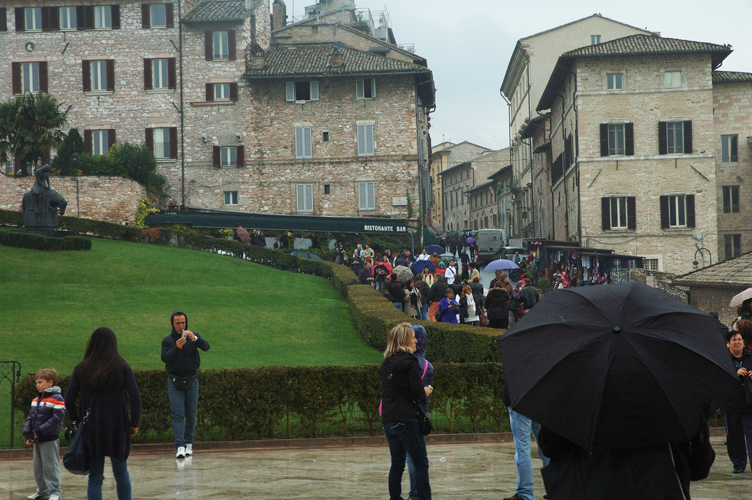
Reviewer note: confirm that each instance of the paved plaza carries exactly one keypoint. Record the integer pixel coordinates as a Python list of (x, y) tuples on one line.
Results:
[(458, 471)]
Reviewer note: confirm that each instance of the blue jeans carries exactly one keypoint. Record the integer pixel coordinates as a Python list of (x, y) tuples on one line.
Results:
[(424, 312), (96, 477), (399, 306), (413, 476), (405, 437), (522, 427), (183, 405)]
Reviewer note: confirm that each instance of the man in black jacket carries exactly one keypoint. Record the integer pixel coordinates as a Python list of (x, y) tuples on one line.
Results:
[(396, 292), (435, 294), (182, 361)]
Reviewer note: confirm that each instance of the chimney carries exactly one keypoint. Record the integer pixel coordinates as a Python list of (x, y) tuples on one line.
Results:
[(279, 14)]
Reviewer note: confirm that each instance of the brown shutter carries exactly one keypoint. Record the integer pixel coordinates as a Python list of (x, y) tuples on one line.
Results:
[(81, 18), (110, 75), (145, 15), (240, 158), (46, 18), (20, 24), (54, 19), (662, 144), (16, 72), (171, 73), (690, 210), (87, 141), (215, 156), (174, 143), (169, 16), (629, 139), (631, 212), (111, 138), (43, 81), (115, 17), (232, 45), (234, 91), (150, 139), (89, 17), (604, 139), (147, 74), (665, 223), (688, 137), (209, 92), (3, 19), (208, 53), (606, 213), (86, 75)]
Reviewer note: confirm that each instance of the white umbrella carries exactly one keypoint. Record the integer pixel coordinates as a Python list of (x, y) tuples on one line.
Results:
[(403, 272), (739, 298)]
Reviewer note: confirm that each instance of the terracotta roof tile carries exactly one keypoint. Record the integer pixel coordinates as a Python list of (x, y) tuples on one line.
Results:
[(735, 272), (217, 11), (646, 45), (731, 77)]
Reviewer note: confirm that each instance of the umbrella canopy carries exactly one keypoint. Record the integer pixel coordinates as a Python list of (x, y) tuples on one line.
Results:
[(501, 265), (739, 298), (422, 264), (435, 249), (243, 235), (403, 272), (307, 255), (617, 366), (470, 240)]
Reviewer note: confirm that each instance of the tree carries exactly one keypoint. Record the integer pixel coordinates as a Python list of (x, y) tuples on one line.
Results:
[(64, 163), (30, 125)]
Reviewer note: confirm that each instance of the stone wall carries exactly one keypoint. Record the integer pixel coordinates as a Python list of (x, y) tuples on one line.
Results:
[(112, 199)]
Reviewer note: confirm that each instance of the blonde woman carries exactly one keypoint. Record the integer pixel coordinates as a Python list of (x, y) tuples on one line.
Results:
[(401, 384)]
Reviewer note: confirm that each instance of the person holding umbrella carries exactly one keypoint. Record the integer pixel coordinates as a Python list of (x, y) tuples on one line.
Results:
[(738, 411)]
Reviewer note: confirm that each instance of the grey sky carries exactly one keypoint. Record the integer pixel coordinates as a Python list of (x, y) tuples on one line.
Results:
[(468, 46)]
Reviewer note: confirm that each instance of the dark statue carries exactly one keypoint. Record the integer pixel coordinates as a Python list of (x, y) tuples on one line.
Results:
[(41, 204)]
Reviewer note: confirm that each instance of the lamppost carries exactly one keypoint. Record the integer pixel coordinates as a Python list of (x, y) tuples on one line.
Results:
[(701, 251), (74, 159)]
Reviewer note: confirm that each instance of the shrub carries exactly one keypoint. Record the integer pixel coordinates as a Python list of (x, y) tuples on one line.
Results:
[(543, 285), (39, 242)]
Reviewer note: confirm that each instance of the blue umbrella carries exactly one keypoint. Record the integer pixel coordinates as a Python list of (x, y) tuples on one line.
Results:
[(422, 264), (501, 265), (431, 249)]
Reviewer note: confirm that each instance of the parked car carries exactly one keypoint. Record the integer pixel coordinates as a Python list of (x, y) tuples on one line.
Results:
[(508, 253)]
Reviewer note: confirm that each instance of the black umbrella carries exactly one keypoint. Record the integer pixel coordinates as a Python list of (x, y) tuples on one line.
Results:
[(616, 366)]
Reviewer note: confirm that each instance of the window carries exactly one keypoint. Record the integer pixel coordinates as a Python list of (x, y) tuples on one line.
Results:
[(67, 17), (733, 244), (616, 139), (161, 143), (231, 197), (365, 89), (366, 196), (159, 74), (228, 156), (619, 212), (158, 18), (365, 140), (221, 91), (3, 19), (730, 199), (30, 75), (595, 39), (303, 142), (33, 19), (98, 142), (102, 17), (302, 91), (326, 137), (614, 81), (98, 75), (674, 137), (221, 46), (652, 264), (672, 79), (677, 211), (327, 189), (305, 197), (729, 152)]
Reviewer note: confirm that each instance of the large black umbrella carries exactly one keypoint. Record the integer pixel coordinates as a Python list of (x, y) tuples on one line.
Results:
[(616, 366)]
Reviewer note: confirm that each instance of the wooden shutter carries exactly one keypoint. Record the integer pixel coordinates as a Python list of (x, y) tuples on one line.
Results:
[(87, 141), (629, 139), (20, 21), (631, 212), (688, 137), (664, 213), (16, 73), (3, 19), (81, 18), (234, 91), (690, 210), (110, 75), (88, 17), (54, 19), (111, 138), (46, 17), (606, 213), (289, 91), (314, 90), (145, 15), (240, 157), (115, 10), (86, 75), (150, 139), (604, 139), (174, 143), (208, 39), (43, 80), (147, 74), (169, 16), (662, 144), (209, 92), (171, 73), (231, 44), (215, 157)]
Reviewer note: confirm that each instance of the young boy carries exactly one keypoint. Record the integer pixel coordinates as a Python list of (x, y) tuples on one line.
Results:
[(42, 428)]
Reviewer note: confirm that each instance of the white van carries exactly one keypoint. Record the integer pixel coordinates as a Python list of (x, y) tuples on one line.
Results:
[(489, 241)]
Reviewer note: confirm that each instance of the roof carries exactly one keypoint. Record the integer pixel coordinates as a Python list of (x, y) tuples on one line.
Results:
[(504, 170), (633, 45), (455, 167), (580, 20), (212, 11), (485, 185), (731, 77), (533, 125), (461, 144), (736, 272)]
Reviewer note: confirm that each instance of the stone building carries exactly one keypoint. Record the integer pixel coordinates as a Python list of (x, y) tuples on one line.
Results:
[(501, 182), (532, 61), (634, 148)]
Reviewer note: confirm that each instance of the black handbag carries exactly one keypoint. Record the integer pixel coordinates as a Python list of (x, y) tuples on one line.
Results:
[(181, 383), (424, 423), (76, 459)]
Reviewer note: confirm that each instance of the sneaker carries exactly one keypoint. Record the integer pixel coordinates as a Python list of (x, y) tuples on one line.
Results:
[(738, 470), (188, 450), (54, 497), (181, 452), (35, 496)]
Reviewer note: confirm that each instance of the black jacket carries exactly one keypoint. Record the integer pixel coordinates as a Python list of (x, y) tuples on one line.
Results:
[(738, 401), (183, 362), (400, 385), (496, 303), (424, 290), (396, 291), (437, 291), (477, 289)]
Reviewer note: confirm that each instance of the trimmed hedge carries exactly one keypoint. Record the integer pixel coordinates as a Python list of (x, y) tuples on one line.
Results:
[(39, 242), (280, 402)]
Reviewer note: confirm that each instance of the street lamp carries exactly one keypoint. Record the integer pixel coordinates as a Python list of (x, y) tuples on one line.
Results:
[(701, 251)]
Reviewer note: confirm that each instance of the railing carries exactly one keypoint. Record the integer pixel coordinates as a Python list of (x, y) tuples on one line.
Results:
[(11, 371)]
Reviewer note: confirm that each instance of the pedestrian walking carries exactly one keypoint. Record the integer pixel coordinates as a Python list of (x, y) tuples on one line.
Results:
[(738, 411), (496, 306)]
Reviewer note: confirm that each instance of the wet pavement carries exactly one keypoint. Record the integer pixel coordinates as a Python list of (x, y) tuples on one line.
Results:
[(458, 471)]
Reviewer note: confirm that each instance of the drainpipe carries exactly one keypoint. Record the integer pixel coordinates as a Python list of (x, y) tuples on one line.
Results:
[(182, 109)]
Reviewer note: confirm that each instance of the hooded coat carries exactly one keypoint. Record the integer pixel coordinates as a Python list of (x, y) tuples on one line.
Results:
[(46, 416), (496, 303), (183, 362), (420, 353)]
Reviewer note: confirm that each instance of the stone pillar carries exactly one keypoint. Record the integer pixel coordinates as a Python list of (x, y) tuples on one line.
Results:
[(279, 14)]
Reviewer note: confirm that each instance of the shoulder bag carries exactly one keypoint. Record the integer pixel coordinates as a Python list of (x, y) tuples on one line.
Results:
[(76, 459)]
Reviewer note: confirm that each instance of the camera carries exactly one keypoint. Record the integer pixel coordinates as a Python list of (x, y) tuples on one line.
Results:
[(185, 335)]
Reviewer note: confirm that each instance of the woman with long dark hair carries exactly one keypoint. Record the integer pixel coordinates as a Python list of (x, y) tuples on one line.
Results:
[(107, 386)]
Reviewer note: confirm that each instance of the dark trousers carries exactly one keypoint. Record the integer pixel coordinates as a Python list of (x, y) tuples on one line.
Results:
[(498, 323), (739, 437), (405, 436)]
